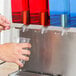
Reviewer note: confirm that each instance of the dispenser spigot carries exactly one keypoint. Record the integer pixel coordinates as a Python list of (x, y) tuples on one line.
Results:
[(64, 23), (26, 14), (44, 15)]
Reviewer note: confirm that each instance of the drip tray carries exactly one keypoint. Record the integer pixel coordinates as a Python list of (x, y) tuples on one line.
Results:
[(18, 73), (31, 73)]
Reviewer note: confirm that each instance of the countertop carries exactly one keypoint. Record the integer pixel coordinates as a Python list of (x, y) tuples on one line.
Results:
[(7, 68)]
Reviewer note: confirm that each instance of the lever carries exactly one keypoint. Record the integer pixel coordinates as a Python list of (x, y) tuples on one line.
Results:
[(44, 15)]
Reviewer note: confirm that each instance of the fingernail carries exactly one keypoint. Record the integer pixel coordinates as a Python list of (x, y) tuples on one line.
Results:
[(7, 28)]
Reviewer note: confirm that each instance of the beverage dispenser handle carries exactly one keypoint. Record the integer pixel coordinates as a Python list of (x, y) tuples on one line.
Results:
[(26, 12), (44, 12)]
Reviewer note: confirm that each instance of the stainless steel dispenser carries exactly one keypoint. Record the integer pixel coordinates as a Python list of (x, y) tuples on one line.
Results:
[(46, 59), (52, 53)]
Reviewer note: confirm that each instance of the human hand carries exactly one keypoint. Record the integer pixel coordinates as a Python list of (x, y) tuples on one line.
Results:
[(4, 23), (13, 52)]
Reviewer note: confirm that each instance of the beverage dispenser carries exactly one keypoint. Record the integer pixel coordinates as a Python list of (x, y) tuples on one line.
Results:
[(50, 52)]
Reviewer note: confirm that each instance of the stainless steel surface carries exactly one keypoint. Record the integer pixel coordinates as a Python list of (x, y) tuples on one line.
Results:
[(59, 56), (48, 52)]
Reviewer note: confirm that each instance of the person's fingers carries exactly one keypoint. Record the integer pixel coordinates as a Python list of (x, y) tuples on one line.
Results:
[(1, 28), (22, 57), (19, 63), (6, 26), (26, 52), (5, 20), (1, 22), (24, 45)]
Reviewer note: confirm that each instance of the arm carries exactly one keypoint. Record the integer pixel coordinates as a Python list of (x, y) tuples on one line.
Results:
[(12, 52)]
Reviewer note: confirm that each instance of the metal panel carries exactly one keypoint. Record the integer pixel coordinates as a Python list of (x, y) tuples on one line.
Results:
[(47, 53), (51, 52)]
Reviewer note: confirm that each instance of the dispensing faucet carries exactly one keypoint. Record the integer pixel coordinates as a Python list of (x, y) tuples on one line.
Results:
[(44, 15)]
